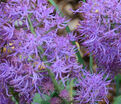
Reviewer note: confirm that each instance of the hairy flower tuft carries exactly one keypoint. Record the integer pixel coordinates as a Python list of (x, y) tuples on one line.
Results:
[(100, 32), (92, 88)]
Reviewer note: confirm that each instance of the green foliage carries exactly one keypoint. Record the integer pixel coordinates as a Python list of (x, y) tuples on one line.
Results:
[(84, 0), (14, 100), (119, 77), (118, 83), (56, 7), (38, 100), (117, 100), (15, 96)]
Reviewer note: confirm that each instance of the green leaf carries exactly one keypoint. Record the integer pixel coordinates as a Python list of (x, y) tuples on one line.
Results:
[(38, 100), (56, 7), (117, 79), (45, 102), (15, 96), (117, 100), (14, 100)]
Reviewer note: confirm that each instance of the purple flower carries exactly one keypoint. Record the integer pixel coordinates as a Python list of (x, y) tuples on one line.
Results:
[(4, 98), (59, 46), (64, 68), (25, 44), (94, 9), (21, 58), (6, 33), (65, 95), (55, 100), (47, 86), (100, 32), (23, 77), (92, 88), (4, 17)]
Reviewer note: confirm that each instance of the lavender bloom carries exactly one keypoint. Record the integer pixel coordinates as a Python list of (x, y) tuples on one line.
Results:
[(94, 9), (64, 68), (92, 88), (4, 99), (59, 67), (4, 16), (59, 46), (42, 14), (6, 33), (20, 62), (25, 44), (43, 18), (22, 59), (61, 56), (46, 16), (23, 77), (100, 31)]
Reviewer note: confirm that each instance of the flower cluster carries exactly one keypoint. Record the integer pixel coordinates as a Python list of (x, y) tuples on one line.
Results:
[(101, 32), (27, 36), (30, 46), (92, 88), (24, 27)]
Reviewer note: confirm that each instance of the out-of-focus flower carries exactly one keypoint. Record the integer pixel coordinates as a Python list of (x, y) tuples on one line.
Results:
[(47, 86), (55, 100), (92, 88), (65, 94)]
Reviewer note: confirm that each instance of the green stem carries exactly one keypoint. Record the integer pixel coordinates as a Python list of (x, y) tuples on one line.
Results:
[(80, 59), (30, 25), (71, 90), (56, 7)]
